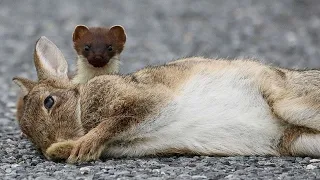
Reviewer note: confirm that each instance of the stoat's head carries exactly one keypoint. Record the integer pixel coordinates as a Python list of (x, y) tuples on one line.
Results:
[(99, 44)]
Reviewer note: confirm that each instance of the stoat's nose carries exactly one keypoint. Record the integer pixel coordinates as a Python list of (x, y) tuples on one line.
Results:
[(98, 57)]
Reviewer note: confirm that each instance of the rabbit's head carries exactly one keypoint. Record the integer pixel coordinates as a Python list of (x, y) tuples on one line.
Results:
[(51, 110)]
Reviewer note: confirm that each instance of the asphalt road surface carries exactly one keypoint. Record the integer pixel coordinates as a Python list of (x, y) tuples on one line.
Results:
[(284, 33)]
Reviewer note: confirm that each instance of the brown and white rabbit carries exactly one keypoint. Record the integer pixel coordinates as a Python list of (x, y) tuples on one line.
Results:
[(98, 53), (190, 106)]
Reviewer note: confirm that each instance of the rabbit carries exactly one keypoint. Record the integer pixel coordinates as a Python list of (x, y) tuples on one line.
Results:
[(104, 42), (192, 106)]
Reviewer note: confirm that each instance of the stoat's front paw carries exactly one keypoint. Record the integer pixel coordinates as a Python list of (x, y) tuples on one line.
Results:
[(87, 148)]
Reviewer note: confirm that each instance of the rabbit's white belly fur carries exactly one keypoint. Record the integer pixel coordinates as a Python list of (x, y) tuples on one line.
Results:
[(220, 113)]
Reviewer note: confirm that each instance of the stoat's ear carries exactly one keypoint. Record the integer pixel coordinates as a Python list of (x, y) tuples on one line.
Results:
[(79, 31), (49, 61), (120, 34)]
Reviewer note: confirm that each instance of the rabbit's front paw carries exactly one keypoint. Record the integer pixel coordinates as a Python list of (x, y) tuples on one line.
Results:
[(87, 148), (59, 151)]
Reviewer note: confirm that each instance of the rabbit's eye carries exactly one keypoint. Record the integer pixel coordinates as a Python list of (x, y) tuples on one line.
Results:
[(48, 102)]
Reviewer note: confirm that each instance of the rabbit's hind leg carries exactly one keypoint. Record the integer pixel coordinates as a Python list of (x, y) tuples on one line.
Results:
[(300, 141), (300, 111), (294, 96)]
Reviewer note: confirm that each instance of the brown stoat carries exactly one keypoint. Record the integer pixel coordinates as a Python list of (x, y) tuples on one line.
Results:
[(98, 50)]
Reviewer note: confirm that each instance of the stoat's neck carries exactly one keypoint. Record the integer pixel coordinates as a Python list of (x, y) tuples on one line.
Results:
[(85, 71)]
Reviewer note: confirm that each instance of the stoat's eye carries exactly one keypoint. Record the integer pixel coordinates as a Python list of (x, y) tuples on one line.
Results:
[(109, 47), (86, 47), (48, 102)]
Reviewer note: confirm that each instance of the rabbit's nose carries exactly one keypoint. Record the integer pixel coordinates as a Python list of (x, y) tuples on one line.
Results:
[(46, 156)]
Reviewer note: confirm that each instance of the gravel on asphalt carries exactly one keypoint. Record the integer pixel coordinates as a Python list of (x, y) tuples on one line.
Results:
[(284, 33)]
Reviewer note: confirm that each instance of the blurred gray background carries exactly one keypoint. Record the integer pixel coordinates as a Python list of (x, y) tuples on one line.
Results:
[(284, 33)]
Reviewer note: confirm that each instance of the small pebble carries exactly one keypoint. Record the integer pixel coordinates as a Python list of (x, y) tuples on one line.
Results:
[(199, 177), (11, 104), (8, 170), (310, 167), (15, 165), (84, 170), (314, 160)]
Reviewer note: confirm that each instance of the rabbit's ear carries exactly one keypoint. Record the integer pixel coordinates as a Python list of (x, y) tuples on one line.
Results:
[(49, 60), (25, 84)]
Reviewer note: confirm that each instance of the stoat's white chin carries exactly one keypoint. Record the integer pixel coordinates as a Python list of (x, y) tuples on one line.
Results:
[(86, 71)]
